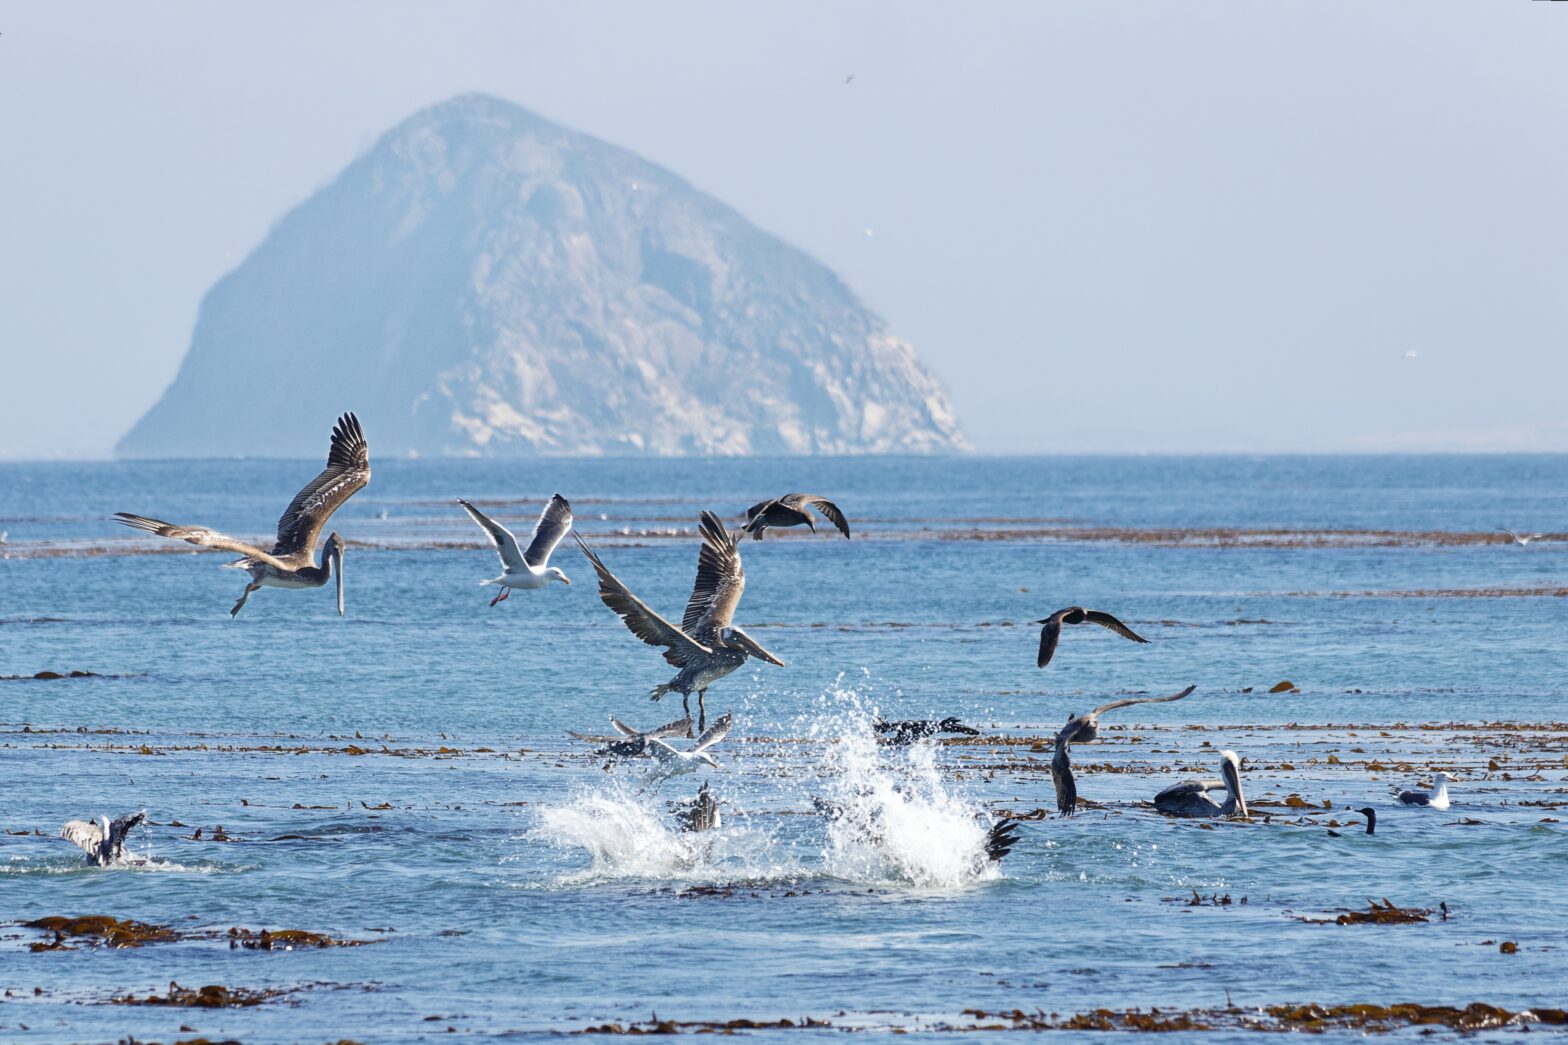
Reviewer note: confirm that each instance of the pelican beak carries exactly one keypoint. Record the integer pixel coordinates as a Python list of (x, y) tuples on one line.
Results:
[(751, 646), (338, 555)]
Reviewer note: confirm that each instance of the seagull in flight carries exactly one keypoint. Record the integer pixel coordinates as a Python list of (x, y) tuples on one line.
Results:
[(1522, 539), (526, 569), (1051, 632), (674, 762), (849, 79), (629, 742), (103, 842)]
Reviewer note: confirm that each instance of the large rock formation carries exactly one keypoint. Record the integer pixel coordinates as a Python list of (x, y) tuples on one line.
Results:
[(485, 282)]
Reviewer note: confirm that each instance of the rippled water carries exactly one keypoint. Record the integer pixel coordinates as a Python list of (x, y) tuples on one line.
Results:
[(403, 775)]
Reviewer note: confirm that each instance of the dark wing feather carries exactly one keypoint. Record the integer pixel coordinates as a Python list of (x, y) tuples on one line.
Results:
[(554, 522), (197, 535), (1050, 634), (500, 536), (640, 619), (1130, 701), (828, 509), (118, 829), (720, 582), (714, 733), (1000, 839), (1105, 620), (347, 472), (1062, 773), (751, 513)]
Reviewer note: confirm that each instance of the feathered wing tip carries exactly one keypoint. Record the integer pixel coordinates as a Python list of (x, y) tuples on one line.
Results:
[(348, 442), (999, 841)]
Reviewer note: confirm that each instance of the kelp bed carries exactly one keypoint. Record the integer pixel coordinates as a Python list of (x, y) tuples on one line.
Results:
[(102, 930)]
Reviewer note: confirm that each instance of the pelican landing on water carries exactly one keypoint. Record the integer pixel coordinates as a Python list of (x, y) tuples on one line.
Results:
[(706, 647), (526, 569), (292, 561), (793, 509), (103, 842), (1190, 798), (1085, 729)]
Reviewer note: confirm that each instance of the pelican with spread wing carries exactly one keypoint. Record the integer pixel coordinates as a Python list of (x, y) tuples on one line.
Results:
[(707, 646), (531, 568), (292, 561), (103, 842)]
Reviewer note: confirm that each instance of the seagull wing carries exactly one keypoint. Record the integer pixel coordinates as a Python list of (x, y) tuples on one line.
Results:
[(823, 505), (87, 835), (1062, 772), (720, 582), (1050, 635), (623, 729), (1105, 620), (757, 509), (119, 828), (554, 522), (714, 733), (347, 472), (591, 738), (1130, 701), (678, 728), (640, 620), (499, 535), (198, 535)]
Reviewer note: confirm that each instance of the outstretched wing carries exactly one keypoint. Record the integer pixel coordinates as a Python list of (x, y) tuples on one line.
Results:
[(679, 728), (499, 535), (1000, 839), (756, 509), (642, 621), (720, 582), (623, 729), (1105, 620), (1050, 635), (87, 835), (197, 535), (592, 738), (347, 472), (1130, 701), (554, 522), (823, 505), (714, 733), (119, 828), (1062, 772)]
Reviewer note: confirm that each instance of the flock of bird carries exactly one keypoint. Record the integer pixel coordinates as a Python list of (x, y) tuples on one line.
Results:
[(705, 647)]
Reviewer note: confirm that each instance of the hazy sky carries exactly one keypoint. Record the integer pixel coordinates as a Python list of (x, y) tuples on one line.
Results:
[(1107, 226)]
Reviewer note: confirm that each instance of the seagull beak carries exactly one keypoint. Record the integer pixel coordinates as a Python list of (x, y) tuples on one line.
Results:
[(566, 580)]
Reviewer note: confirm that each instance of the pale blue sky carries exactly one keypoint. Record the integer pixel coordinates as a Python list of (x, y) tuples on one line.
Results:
[(1107, 226)]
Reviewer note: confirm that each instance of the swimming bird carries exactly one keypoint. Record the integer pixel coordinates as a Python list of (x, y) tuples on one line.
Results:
[(1437, 798), (907, 731), (699, 814), (1369, 813), (1522, 539), (526, 569), (707, 646), (1051, 633), (103, 842), (1190, 798), (632, 742), (1085, 729), (292, 561), (793, 509), (675, 762)]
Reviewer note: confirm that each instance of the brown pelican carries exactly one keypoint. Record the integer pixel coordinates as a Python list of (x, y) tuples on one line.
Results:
[(907, 731), (104, 843), (1437, 798), (1369, 813), (1190, 798), (292, 561), (526, 569), (1051, 633), (699, 814), (1085, 729), (632, 742), (793, 509), (1522, 539), (675, 762), (706, 647)]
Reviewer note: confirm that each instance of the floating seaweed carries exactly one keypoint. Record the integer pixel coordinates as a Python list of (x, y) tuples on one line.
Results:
[(212, 996), (99, 930), (1386, 914), (286, 940)]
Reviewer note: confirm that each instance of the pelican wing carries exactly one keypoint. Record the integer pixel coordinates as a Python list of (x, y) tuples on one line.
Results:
[(714, 733), (1105, 620), (554, 522), (83, 833), (1130, 701), (639, 618), (197, 535), (1050, 635), (720, 582), (499, 535), (347, 472), (801, 501), (1062, 774)]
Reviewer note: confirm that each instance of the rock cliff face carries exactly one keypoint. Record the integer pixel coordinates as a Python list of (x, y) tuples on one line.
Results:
[(485, 282)]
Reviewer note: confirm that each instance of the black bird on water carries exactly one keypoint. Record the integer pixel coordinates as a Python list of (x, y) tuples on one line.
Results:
[(907, 731), (1369, 813)]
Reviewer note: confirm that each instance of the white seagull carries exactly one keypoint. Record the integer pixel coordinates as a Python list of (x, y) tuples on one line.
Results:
[(1437, 798), (1522, 539), (526, 569), (674, 762), (104, 843)]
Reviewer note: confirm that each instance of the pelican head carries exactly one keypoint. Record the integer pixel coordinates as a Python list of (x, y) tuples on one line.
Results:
[(555, 571), (1230, 768), (734, 638), (334, 563)]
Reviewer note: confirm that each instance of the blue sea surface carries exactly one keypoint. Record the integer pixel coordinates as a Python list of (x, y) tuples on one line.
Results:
[(403, 775)]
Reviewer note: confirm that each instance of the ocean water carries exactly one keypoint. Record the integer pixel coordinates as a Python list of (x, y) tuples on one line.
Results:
[(402, 776)]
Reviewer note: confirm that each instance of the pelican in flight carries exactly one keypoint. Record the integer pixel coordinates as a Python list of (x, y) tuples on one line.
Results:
[(1522, 539), (104, 842), (675, 762), (629, 742), (292, 561), (1051, 633), (526, 569), (1437, 798), (1085, 729), (706, 647), (1190, 798), (793, 509), (907, 731)]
